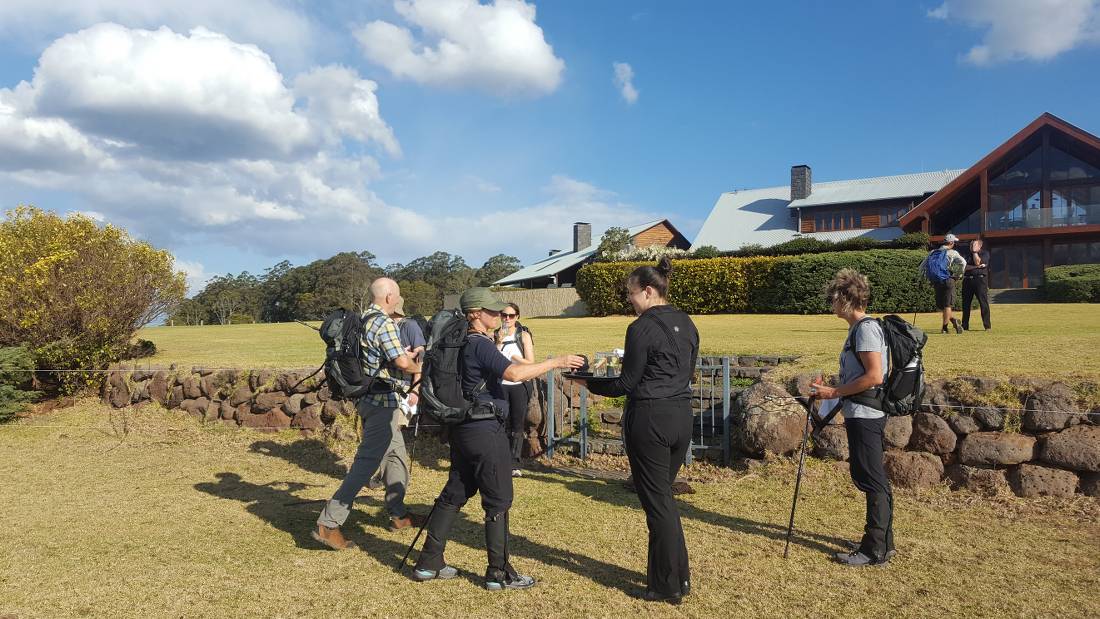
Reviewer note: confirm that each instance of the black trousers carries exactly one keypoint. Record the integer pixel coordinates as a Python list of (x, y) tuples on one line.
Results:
[(658, 435), (481, 461), (975, 287), (518, 398), (866, 445)]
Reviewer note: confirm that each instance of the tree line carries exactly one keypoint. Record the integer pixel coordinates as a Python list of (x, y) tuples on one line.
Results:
[(285, 292)]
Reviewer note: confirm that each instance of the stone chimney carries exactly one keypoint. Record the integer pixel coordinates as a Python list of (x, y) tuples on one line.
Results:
[(801, 182), (582, 235)]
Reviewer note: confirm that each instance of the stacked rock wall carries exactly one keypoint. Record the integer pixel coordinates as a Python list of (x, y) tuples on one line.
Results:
[(1045, 444)]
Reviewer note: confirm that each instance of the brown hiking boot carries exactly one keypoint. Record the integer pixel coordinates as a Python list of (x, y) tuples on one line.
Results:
[(408, 520), (332, 538)]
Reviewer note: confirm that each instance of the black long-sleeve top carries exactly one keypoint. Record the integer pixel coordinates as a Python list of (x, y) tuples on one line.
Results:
[(656, 365)]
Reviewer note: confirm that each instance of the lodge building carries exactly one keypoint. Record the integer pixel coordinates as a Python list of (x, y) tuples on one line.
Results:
[(1035, 199)]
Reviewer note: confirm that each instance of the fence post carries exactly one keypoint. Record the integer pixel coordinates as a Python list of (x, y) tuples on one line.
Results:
[(725, 411), (551, 414), (584, 423)]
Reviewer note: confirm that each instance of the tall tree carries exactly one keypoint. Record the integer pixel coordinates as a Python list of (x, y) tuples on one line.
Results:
[(497, 267)]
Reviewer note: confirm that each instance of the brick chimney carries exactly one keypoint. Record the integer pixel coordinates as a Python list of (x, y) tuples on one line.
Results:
[(801, 182), (582, 235)]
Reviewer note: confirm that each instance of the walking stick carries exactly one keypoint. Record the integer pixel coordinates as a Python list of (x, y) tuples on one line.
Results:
[(801, 463), (417, 538)]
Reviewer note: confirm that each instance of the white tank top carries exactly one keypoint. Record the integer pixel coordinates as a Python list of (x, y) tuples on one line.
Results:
[(509, 350)]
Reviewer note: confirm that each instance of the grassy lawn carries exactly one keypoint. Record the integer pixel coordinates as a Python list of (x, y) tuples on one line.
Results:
[(183, 520), (1032, 339)]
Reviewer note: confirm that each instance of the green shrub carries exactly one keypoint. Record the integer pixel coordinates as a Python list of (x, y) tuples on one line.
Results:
[(782, 284), (16, 376), (706, 251), (912, 240), (1072, 283)]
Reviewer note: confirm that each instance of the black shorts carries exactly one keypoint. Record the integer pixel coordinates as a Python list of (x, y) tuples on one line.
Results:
[(945, 294)]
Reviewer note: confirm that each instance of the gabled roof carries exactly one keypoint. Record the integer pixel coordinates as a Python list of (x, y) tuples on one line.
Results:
[(934, 202), (762, 216), (552, 265), (878, 188)]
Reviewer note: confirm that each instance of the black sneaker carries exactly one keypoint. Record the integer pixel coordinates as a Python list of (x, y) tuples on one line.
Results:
[(652, 596), (854, 547), (503, 580), (944, 329), (958, 328)]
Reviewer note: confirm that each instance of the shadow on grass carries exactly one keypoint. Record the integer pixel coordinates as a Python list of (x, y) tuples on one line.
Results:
[(611, 493), (310, 454), (268, 502)]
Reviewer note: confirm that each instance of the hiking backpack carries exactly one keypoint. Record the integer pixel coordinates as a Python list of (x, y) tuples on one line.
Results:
[(441, 395), (520, 330), (342, 331), (938, 267), (902, 391)]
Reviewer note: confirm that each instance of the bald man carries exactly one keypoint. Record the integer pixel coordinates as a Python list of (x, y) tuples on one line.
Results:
[(384, 357)]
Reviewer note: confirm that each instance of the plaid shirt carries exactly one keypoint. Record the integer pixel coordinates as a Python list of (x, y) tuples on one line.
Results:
[(381, 344)]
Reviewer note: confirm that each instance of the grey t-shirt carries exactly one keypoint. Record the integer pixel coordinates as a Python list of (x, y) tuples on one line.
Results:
[(869, 339)]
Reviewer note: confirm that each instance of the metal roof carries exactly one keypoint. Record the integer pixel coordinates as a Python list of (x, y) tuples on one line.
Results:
[(761, 216), (879, 188), (552, 265)]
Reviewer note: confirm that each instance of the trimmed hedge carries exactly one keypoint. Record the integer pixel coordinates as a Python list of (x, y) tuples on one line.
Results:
[(1072, 283), (767, 285)]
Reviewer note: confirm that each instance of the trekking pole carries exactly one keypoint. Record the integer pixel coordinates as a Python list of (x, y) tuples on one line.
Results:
[(417, 538), (801, 463)]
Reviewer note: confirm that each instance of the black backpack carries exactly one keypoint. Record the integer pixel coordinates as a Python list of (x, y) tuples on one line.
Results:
[(520, 330), (342, 331), (441, 395), (902, 391)]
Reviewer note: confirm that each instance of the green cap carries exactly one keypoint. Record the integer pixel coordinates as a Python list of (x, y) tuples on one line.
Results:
[(480, 298)]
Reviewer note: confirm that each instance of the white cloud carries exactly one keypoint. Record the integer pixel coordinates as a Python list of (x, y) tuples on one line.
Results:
[(276, 25), (1024, 29), (539, 227), (496, 47), (624, 81), (346, 106), (195, 139), (196, 274)]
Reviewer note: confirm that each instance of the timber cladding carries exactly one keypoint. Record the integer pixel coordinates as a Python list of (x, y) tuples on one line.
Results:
[(657, 235)]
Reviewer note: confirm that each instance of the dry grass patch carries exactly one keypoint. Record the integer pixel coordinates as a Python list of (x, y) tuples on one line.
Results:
[(178, 519)]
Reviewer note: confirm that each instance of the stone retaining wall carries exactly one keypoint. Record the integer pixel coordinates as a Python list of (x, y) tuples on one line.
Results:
[(1045, 444)]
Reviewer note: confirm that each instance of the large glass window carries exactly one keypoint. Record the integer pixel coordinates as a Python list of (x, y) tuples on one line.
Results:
[(827, 220), (1014, 209), (1015, 266), (1065, 167), (1026, 171), (1080, 252)]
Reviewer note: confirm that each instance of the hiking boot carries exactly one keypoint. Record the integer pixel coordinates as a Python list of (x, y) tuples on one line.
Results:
[(854, 547), (499, 580), (944, 329), (332, 537), (445, 573), (408, 520), (652, 596), (958, 328), (857, 559)]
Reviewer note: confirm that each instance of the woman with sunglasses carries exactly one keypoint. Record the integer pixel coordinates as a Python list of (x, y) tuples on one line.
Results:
[(514, 341), (659, 358)]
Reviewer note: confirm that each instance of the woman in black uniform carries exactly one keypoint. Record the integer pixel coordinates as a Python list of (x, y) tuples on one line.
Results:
[(658, 362), (481, 459)]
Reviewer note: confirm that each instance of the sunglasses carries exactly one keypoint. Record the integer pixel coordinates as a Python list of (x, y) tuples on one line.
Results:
[(508, 316)]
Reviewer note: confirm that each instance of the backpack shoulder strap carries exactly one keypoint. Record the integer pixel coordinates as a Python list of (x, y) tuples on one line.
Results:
[(668, 333)]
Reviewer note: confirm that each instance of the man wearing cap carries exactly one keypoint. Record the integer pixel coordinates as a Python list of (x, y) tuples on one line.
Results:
[(945, 290), (385, 359), (481, 458)]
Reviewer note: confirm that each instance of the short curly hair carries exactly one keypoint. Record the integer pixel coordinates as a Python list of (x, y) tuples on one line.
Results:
[(849, 290)]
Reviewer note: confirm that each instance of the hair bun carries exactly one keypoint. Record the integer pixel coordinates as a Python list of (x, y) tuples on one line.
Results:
[(664, 266)]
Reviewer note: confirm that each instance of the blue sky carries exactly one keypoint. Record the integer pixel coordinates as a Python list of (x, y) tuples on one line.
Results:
[(237, 135)]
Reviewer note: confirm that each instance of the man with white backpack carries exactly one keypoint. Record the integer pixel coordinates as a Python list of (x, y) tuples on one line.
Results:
[(942, 267)]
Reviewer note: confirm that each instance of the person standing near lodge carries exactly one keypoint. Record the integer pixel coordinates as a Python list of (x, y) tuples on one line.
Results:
[(659, 359), (863, 364), (385, 359), (976, 283), (516, 344), (941, 267), (481, 460)]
